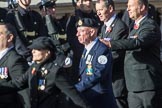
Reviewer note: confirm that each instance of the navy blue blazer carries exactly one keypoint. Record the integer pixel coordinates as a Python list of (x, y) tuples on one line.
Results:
[(95, 80)]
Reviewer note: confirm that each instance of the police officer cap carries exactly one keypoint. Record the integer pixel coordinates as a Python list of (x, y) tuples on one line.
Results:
[(87, 22), (42, 43), (48, 4)]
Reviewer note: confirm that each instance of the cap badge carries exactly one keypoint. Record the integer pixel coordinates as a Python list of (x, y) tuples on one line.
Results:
[(80, 22)]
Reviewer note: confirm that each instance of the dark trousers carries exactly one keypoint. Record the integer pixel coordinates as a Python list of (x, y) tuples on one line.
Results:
[(145, 99), (122, 102)]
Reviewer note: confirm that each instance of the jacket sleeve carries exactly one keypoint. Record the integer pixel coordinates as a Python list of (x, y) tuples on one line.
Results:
[(14, 85), (66, 87), (147, 35)]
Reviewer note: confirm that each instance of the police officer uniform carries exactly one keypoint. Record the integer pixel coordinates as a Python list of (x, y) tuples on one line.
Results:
[(56, 28), (29, 25), (47, 79)]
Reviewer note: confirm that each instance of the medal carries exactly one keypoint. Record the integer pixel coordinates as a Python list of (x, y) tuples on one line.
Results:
[(42, 87), (41, 84), (89, 70), (2, 76), (44, 72), (3, 73), (89, 59), (33, 71)]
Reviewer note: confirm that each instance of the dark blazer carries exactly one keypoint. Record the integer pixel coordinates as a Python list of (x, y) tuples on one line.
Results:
[(143, 69), (29, 26), (55, 82), (119, 30), (15, 66), (97, 87)]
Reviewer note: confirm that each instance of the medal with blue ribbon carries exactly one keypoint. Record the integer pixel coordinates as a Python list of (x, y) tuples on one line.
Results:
[(3, 73), (89, 69), (41, 84)]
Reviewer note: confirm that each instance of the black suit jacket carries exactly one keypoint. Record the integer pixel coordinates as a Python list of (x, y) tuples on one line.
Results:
[(55, 82), (119, 30), (143, 69), (15, 66)]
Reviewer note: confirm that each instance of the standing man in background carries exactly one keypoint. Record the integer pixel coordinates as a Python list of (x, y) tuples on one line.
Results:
[(28, 23), (114, 29), (143, 68)]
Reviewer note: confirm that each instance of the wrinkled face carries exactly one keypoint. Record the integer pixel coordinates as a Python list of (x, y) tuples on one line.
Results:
[(4, 37), (84, 35), (25, 2), (40, 55), (85, 5), (134, 9), (102, 11)]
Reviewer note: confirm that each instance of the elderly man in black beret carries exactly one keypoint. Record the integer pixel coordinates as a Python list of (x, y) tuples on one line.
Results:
[(45, 78), (95, 81)]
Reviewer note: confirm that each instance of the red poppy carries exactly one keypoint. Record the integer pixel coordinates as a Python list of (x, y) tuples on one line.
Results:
[(136, 26), (109, 29)]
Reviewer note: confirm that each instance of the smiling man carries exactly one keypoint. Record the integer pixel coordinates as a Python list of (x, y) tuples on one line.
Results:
[(143, 68), (114, 29)]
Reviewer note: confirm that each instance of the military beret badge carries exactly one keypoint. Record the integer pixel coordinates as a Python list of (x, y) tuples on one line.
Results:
[(80, 22)]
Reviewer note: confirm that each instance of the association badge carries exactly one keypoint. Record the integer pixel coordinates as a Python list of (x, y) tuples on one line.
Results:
[(102, 59)]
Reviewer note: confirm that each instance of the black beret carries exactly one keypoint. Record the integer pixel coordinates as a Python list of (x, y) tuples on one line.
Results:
[(43, 43), (48, 4), (87, 22)]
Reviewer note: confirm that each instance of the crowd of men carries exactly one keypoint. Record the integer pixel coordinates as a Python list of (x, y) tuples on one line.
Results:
[(90, 59)]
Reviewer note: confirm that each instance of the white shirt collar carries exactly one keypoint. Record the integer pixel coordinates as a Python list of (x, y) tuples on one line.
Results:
[(3, 52), (89, 46), (110, 21), (138, 22)]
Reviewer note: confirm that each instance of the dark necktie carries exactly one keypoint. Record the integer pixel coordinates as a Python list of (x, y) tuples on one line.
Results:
[(83, 57), (84, 52)]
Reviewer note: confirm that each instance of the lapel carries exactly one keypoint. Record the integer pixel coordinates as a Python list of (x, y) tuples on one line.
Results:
[(136, 31), (5, 57), (34, 79), (92, 52), (108, 33), (82, 58)]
